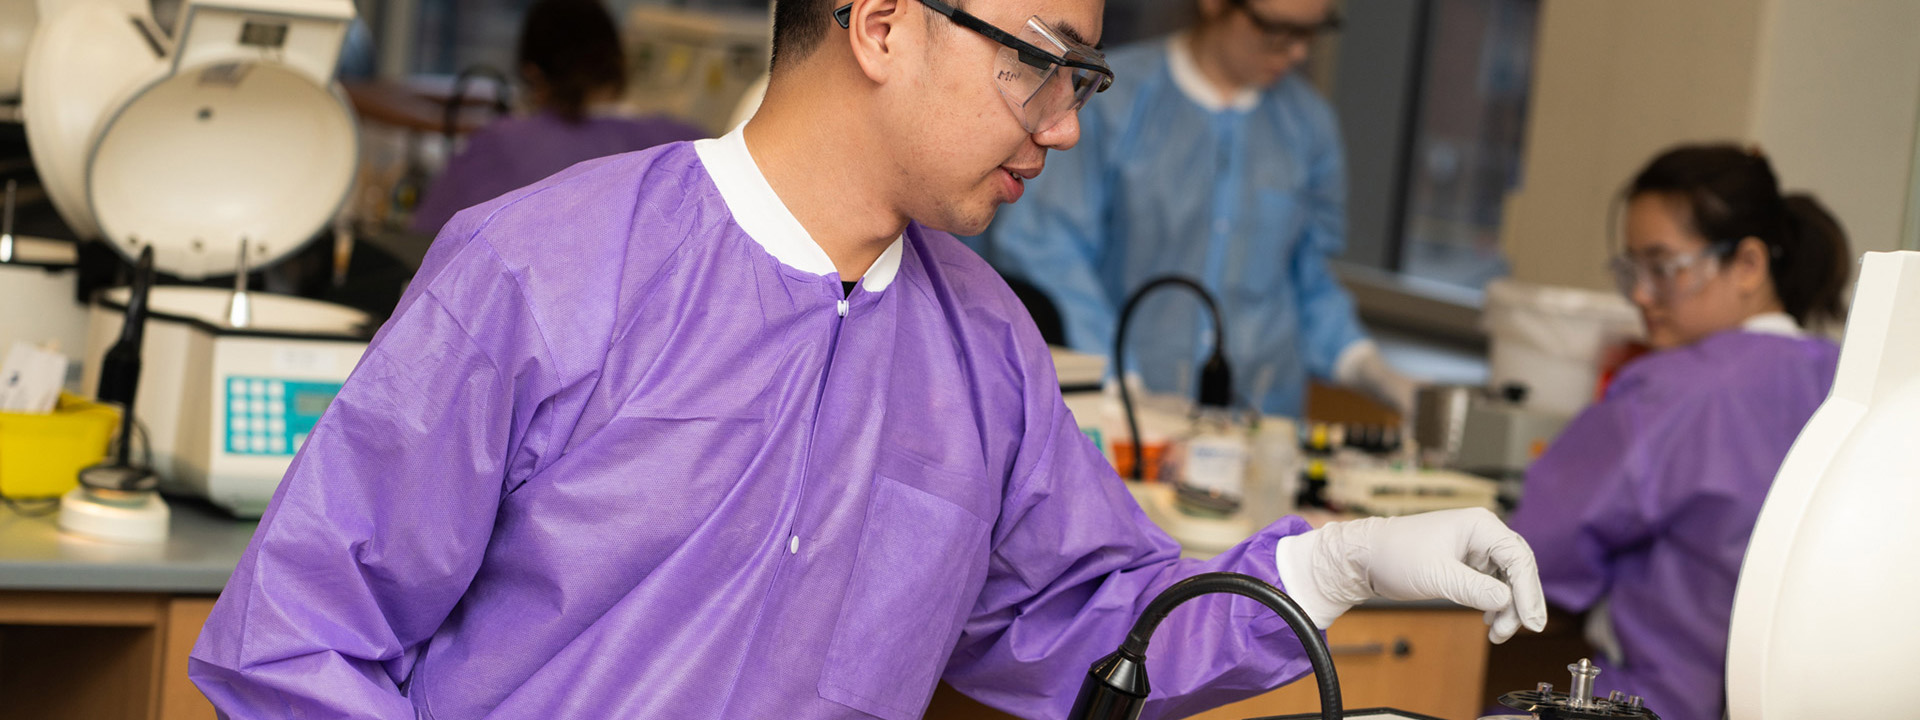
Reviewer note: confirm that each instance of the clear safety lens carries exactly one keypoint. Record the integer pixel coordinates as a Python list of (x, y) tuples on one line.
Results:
[(1627, 275), (1041, 91), (1663, 278)]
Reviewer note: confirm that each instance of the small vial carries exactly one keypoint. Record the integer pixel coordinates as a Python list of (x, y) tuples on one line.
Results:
[(1584, 672)]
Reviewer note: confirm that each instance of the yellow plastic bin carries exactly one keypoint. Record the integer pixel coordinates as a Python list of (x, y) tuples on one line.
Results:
[(41, 455)]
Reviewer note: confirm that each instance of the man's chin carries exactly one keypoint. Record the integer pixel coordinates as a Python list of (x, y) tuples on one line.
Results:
[(961, 222)]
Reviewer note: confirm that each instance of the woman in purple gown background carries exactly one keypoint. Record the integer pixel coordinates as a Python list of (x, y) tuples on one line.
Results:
[(571, 61), (1641, 511)]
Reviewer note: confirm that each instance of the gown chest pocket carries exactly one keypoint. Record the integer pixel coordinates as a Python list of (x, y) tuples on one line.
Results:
[(921, 562)]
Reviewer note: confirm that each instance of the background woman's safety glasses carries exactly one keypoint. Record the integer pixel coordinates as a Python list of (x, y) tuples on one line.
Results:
[(1284, 35), (1044, 73), (1663, 278)]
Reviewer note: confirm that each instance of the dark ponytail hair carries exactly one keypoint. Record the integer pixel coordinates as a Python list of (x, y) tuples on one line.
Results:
[(576, 48), (1731, 193)]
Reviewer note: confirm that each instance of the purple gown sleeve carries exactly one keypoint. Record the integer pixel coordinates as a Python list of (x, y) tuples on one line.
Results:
[(1582, 501), (1074, 562), (384, 515)]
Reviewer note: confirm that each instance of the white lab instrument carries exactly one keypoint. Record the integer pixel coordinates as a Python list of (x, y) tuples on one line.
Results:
[(38, 273), (1554, 340), (228, 141), (1495, 435), (1823, 619), (1394, 491), (1077, 371), (233, 133), (237, 402), (143, 517)]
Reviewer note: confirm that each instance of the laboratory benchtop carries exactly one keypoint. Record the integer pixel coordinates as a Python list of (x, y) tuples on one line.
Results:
[(201, 551)]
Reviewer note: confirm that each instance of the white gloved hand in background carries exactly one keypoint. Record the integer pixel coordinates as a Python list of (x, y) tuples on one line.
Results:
[(1361, 367), (1467, 556)]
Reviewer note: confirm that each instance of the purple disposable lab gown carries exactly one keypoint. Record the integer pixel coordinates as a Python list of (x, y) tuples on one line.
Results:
[(615, 457), (519, 151), (1649, 496)]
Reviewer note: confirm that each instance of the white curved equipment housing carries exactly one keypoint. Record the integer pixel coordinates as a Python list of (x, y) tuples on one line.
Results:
[(1824, 619), (232, 132)]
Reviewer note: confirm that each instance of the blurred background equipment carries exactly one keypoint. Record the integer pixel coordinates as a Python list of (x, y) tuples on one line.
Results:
[(1492, 433), (694, 64), (223, 147), (1557, 342)]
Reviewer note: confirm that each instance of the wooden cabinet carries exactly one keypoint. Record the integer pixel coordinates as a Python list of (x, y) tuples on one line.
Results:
[(179, 698), (100, 656), (1424, 661), (123, 656)]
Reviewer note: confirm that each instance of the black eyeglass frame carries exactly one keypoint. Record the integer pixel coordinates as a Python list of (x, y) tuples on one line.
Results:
[(1289, 29), (1030, 54)]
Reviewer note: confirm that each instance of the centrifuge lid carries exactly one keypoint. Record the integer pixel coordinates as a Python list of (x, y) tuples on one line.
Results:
[(1823, 618), (83, 57), (201, 160), (194, 159)]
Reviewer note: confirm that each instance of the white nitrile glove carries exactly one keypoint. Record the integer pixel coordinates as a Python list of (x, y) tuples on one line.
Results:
[(1361, 367), (1466, 556)]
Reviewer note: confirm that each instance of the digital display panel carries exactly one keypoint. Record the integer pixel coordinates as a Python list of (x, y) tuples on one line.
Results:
[(263, 34), (311, 404)]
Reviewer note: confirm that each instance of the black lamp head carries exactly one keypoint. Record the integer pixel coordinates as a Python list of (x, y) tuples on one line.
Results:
[(1216, 382), (1115, 688)]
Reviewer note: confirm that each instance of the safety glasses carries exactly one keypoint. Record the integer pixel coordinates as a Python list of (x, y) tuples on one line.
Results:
[(1044, 74), (1283, 35), (1672, 278)]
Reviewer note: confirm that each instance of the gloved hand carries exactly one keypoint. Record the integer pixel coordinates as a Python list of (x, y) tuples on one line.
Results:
[(1467, 556), (1362, 368)]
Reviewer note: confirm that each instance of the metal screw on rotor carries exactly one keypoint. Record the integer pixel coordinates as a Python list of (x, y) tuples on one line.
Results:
[(1634, 702)]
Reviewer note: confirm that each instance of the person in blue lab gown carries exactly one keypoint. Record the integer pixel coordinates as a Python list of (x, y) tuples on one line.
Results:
[(571, 61), (1641, 510), (1213, 159), (735, 429)]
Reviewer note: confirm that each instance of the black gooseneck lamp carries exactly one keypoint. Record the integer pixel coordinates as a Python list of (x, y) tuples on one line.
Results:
[(120, 480), (1216, 377), (1116, 686)]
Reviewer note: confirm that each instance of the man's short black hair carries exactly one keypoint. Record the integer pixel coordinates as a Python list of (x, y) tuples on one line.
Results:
[(799, 26)]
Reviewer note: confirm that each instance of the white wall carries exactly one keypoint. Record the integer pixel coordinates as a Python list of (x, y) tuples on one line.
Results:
[(1830, 89), (1838, 99)]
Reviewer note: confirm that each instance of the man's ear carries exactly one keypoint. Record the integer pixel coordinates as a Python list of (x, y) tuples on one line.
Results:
[(876, 33)]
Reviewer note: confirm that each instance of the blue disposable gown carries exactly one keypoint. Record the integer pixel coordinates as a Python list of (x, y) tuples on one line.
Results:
[(1647, 500), (1249, 201), (623, 451)]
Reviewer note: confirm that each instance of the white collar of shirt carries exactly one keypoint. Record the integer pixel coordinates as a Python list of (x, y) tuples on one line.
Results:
[(1196, 86), (1773, 324), (768, 221)]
